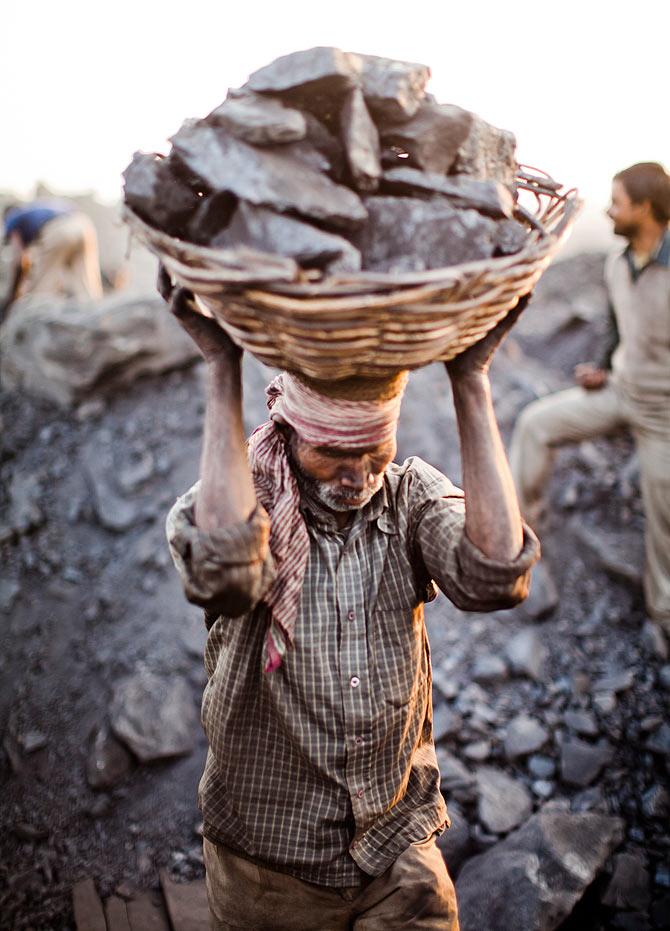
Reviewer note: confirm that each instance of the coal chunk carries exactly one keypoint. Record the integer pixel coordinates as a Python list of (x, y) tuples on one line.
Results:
[(259, 228), (311, 72), (361, 142), (156, 194), (406, 234), (488, 197), (259, 120), (432, 138), (264, 177), (393, 90), (212, 215), (487, 153), (510, 239)]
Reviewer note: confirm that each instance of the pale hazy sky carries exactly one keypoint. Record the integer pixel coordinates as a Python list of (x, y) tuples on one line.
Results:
[(584, 85)]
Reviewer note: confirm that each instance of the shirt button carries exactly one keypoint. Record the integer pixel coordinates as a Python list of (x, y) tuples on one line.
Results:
[(359, 740), (360, 793), (354, 682), (351, 616)]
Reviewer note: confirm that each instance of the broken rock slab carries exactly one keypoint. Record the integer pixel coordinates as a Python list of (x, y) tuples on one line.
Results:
[(487, 197), (486, 153), (432, 138), (154, 716), (361, 142), (532, 880), (157, 195), (526, 653), (66, 351), (266, 231), (524, 735), (543, 596), (108, 762), (629, 885), (263, 176), (408, 234), (504, 803), (393, 90), (259, 120), (582, 762), (306, 74)]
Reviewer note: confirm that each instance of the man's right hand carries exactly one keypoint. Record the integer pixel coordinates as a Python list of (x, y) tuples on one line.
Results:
[(213, 342), (590, 377)]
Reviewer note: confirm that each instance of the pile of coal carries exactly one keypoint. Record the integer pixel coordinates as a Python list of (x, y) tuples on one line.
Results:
[(341, 162)]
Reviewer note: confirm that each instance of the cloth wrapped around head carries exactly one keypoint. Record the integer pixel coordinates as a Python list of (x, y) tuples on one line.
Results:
[(352, 414)]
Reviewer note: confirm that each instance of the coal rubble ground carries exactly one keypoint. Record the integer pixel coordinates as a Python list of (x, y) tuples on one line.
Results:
[(522, 704)]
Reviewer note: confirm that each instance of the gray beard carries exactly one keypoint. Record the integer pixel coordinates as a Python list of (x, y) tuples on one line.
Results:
[(324, 494)]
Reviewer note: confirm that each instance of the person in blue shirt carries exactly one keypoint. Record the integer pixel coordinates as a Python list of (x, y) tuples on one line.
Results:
[(55, 252)]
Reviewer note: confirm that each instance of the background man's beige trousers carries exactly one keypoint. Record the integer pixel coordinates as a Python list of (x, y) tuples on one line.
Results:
[(575, 415), (64, 260), (414, 893)]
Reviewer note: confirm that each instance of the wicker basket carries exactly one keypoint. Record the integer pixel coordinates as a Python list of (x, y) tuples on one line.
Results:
[(367, 323)]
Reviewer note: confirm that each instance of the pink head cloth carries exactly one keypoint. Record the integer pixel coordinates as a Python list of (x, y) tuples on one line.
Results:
[(319, 421)]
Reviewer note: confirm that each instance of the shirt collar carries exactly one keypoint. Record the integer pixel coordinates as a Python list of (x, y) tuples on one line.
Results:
[(661, 256)]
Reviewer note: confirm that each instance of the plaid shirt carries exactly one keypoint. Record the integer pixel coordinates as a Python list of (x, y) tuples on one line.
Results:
[(326, 767)]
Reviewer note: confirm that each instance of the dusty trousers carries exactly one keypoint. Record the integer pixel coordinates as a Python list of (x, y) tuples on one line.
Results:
[(416, 892), (575, 415), (64, 260)]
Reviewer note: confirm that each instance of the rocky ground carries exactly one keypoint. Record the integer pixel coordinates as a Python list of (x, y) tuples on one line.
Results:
[(551, 720)]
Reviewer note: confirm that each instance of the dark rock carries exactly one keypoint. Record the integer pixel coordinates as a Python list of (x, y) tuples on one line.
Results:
[(664, 678), (24, 512), (533, 879), (264, 177), (267, 231), (630, 921), (524, 735), (489, 668), (660, 742), (581, 762), (656, 802), (156, 194), (589, 800), (455, 841), (212, 215), (393, 89), (108, 762), (487, 197), (446, 723), (361, 142), (432, 138), (543, 597), (504, 803), (629, 885), (406, 234), (32, 741), (30, 833), (542, 767), (581, 722), (154, 716), (511, 238), (618, 681), (456, 779), (527, 653), (486, 153), (322, 140), (478, 751), (259, 120), (654, 640), (305, 76)]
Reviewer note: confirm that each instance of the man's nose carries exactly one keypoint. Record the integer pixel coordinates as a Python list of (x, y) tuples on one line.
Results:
[(354, 475)]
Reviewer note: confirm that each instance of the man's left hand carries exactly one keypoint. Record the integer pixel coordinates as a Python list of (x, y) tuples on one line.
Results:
[(477, 359)]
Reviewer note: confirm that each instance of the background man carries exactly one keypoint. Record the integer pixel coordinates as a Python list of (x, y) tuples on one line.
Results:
[(55, 252), (312, 554), (635, 393)]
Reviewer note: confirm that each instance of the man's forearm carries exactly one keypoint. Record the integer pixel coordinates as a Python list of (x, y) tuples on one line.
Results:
[(492, 518), (226, 495)]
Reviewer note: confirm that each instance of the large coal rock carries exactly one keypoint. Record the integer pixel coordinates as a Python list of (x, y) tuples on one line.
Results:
[(393, 90), (532, 880), (154, 716), (433, 137), (157, 195), (259, 120), (64, 350), (264, 176)]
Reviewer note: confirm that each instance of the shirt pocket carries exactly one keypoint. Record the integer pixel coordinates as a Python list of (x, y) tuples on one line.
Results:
[(399, 654)]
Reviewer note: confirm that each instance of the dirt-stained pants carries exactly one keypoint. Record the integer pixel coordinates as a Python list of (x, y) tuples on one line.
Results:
[(64, 260), (575, 415), (416, 892)]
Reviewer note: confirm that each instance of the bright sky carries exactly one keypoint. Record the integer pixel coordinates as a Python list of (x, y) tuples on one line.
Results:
[(584, 85)]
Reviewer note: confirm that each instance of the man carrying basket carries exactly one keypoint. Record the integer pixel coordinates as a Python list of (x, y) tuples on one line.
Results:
[(312, 554)]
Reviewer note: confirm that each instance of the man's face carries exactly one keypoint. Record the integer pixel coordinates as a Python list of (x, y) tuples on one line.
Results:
[(626, 215), (342, 479)]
